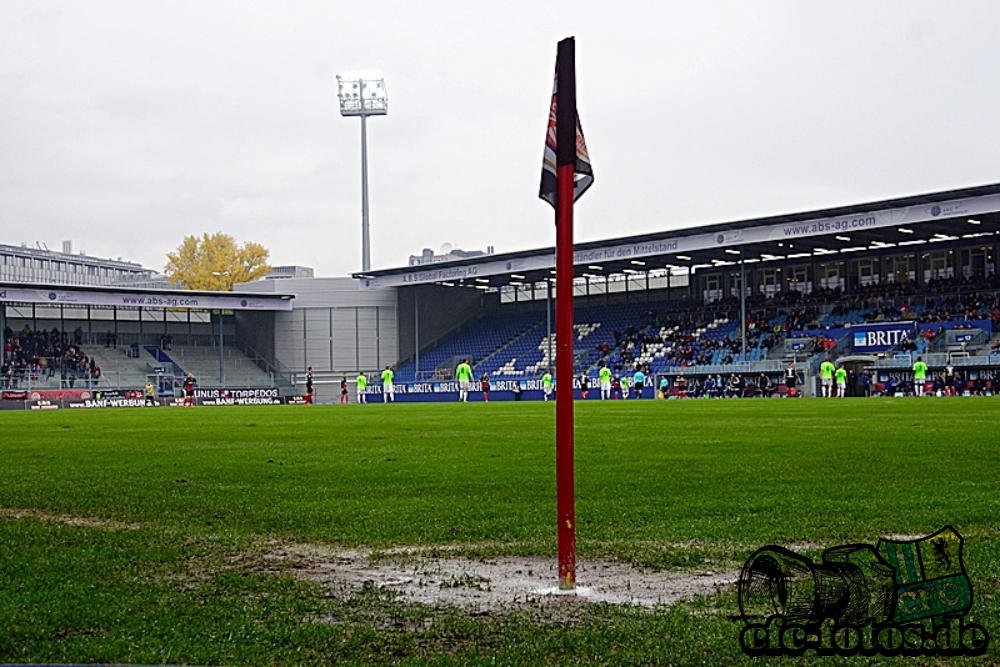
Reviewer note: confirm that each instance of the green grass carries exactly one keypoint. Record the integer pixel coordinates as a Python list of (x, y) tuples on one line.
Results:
[(659, 484)]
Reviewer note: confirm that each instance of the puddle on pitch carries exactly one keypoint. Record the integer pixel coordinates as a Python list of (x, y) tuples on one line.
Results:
[(493, 583)]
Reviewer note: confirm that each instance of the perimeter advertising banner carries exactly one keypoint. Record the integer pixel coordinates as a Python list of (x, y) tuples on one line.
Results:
[(151, 299), (869, 338), (243, 396)]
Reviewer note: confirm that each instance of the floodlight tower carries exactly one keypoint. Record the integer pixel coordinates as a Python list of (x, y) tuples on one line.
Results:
[(363, 95)]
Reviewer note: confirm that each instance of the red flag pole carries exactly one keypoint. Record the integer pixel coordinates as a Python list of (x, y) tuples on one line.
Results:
[(566, 163)]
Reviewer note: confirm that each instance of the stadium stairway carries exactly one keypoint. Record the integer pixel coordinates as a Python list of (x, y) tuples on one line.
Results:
[(118, 370), (203, 362)]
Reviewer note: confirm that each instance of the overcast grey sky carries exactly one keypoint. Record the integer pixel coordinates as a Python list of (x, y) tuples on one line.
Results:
[(125, 126)]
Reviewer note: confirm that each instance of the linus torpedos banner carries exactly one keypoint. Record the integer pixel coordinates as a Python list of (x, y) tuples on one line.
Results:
[(868, 338), (240, 396)]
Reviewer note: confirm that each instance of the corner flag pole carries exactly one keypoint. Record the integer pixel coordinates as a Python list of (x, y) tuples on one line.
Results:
[(566, 122)]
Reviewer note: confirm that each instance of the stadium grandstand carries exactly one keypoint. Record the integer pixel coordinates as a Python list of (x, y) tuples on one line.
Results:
[(873, 284), (66, 338)]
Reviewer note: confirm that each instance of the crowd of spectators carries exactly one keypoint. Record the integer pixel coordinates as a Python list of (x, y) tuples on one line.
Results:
[(770, 319), (30, 357), (873, 297), (733, 386)]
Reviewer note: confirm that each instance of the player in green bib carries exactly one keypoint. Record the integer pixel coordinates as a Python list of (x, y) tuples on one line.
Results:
[(547, 385), (464, 375), (919, 376), (605, 374), (361, 385), (826, 376), (388, 391), (841, 377)]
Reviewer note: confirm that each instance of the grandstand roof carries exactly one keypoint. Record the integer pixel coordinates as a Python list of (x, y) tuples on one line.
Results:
[(907, 221), (130, 297)]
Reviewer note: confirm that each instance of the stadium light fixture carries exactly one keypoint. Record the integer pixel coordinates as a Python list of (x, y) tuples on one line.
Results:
[(483, 280), (638, 263), (363, 94), (594, 267), (904, 230), (845, 239), (684, 257), (517, 275), (974, 222), (733, 252)]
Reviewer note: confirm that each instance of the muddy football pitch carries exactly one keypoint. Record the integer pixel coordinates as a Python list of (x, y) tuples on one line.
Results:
[(425, 533)]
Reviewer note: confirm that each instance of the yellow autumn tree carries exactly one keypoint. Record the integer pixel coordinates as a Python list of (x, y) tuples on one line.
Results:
[(216, 262)]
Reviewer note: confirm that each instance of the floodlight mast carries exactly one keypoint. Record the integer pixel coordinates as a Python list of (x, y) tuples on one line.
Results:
[(363, 95)]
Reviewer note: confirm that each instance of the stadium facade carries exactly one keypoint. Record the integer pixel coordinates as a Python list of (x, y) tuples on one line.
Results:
[(495, 308), (921, 242)]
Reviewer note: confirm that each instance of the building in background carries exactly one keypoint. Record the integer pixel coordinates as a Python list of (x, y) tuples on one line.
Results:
[(448, 254), (286, 272), (24, 264)]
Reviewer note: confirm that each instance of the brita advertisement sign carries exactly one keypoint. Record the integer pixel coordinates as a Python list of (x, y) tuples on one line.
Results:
[(866, 338)]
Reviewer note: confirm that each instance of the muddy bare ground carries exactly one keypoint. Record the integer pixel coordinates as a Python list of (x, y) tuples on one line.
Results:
[(492, 583), (14, 514)]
